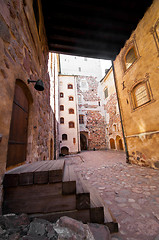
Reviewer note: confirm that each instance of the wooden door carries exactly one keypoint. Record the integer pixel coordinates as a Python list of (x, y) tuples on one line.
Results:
[(18, 129)]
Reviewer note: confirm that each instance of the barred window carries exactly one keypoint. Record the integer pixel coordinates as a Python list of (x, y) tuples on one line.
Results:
[(81, 119)]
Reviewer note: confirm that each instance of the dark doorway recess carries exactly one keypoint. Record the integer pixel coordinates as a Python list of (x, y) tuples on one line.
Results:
[(17, 143), (112, 143), (83, 141), (64, 151)]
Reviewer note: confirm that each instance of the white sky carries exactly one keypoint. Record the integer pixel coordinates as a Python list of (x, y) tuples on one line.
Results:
[(105, 64)]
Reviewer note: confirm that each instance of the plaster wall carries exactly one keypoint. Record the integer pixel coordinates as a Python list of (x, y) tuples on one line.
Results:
[(141, 125)]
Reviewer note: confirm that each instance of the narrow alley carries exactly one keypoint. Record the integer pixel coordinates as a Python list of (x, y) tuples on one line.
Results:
[(129, 191)]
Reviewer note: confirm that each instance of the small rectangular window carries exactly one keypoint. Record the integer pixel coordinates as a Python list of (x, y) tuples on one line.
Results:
[(74, 140), (81, 119), (106, 93)]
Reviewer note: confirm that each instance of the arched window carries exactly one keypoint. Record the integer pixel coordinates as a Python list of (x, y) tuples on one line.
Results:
[(71, 111), (140, 94), (70, 86), (130, 57), (61, 95), (71, 124), (61, 107), (61, 120), (70, 98), (64, 137)]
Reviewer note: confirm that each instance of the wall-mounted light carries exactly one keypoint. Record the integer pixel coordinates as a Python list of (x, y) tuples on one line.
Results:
[(39, 85)]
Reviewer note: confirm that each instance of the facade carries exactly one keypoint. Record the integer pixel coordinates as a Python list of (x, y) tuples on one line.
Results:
[(91, 118), (137, 71), (69, 127), (53, 67), (114, 137), (89, 129), (25, 129), (80, 66)]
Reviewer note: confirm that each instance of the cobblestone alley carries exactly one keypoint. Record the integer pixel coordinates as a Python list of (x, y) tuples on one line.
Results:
[(131, 192)]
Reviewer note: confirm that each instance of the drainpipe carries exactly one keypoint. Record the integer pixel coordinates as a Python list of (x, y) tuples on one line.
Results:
[(77, 119), (55, 137), (125, 143)]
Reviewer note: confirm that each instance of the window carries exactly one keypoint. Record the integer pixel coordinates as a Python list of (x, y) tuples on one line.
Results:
[(61, 120), (70, 86), (81, 119), (155, 33), (140, 94), (79, 69), (71, 111), (64, 137), (74, 140), (70, 98), (61, 95), (61, 107), (71, 124), (130, 57), (114, 128), (106, 93)]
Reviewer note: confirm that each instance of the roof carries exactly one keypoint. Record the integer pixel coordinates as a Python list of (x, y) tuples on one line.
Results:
[(91, 28)]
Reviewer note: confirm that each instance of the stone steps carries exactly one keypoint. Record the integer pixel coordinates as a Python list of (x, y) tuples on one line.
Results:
[(51, 189)]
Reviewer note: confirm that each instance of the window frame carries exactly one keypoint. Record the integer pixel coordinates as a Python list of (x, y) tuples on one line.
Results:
[(61, 94), (70, 86), (69, 111), (63, 138), (73, 124), (126, 54), (61, 107), (106, 89), (142, 81), (69, 98), (62, 120), (81, 119)]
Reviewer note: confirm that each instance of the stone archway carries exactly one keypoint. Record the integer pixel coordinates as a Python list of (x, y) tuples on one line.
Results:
[(65, 151), (112, 143), (83, 142), (119, 143)]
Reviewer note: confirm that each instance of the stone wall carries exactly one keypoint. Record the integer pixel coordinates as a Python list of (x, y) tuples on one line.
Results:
[(24, 55), (89, 105), (114, 136), (141, 123)]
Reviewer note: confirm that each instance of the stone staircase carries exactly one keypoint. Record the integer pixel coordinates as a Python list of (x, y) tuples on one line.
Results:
[(52, 189)]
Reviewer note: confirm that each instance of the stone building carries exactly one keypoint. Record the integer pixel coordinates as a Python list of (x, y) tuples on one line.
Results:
[(137, 71), (91, 118), (69, 127), (26, 132), (89, 128), (114, 137)]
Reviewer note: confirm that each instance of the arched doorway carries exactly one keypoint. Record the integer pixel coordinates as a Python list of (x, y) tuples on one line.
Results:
[(112, 143), (64, 150), (17, 144), (83, 142), (119, 143)]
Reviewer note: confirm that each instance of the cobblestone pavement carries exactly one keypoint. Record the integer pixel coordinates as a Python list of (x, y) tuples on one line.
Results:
[(130, 191)]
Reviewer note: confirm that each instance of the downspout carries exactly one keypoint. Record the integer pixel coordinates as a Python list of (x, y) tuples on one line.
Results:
[(125, 143), (54, 113)]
